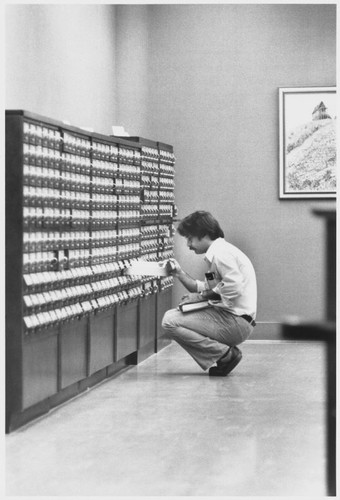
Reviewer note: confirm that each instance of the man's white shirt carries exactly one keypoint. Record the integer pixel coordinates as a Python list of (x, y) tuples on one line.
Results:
[(236, 278)]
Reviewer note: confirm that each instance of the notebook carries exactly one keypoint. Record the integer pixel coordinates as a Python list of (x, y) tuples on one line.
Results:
[(193, 306)]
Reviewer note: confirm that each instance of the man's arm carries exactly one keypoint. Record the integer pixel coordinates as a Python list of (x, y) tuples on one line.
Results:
[(187, 281), (210, 295)]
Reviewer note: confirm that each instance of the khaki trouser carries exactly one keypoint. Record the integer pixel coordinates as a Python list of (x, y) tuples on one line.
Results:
[(206, 334)]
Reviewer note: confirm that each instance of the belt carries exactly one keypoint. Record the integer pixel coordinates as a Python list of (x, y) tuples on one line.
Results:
[(249, 319)]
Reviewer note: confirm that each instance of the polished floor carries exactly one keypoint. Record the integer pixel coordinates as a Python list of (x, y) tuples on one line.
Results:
[(165, 428)]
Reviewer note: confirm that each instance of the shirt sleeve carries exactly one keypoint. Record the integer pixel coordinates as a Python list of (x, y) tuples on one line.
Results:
[(231, 284)]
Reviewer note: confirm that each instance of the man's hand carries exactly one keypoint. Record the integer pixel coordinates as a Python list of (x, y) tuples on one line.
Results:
[(191, 297), (173, 267)]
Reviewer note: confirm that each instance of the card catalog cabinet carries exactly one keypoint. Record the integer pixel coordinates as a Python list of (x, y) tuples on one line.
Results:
[(80, 207)]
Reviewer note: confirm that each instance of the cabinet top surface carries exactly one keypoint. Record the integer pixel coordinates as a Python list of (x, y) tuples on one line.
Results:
[(134, 142)]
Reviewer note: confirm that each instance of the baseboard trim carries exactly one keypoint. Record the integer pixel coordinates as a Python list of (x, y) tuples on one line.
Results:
[(266, 330)]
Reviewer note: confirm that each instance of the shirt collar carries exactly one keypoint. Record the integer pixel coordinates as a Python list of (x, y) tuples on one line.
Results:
[(212, 249)]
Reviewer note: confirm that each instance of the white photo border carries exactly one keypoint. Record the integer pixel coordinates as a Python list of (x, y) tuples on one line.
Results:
[(283, 93)]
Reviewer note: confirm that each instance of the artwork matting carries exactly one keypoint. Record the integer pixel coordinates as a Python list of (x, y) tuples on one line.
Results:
[(307, 142)]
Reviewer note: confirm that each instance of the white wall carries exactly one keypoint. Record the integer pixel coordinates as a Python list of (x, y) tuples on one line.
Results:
[(214, 77), (204, 78), (60, 62), (132, 57)]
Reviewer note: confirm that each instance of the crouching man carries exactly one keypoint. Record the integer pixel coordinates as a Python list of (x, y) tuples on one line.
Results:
[(210, 335)]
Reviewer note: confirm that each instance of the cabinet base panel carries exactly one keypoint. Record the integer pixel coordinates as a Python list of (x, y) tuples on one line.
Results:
[(146, 351), (162, 342), (19, 419)]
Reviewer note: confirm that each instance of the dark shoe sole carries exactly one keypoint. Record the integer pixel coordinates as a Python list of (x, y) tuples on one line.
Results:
[(222, 371)]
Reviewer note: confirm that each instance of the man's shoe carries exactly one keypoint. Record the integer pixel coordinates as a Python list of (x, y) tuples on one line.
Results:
[(224, 367)]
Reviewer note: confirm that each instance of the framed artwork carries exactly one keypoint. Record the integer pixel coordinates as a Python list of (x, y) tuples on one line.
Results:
[(307, 142)]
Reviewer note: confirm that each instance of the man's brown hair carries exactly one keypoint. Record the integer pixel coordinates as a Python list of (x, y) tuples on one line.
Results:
[(200, 224)]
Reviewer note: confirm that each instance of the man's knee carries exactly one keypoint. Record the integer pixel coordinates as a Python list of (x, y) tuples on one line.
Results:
[(167, 321), (171, 320)]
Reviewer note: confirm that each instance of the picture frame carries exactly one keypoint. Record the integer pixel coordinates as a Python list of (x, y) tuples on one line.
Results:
[(307, 142)]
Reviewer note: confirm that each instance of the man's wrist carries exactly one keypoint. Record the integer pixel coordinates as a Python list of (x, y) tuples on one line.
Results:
[(182, 275), (209, 294)]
